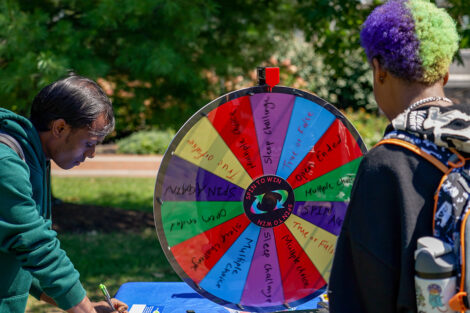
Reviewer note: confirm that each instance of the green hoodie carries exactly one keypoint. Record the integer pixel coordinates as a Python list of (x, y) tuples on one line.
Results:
[(31, 260)]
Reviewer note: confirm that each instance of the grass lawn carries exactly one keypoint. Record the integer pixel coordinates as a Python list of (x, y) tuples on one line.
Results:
[(112, 259), (118, 192)]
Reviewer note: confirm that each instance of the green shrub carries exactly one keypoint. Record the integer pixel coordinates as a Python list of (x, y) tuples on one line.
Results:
[(146, 142), (370, 126)]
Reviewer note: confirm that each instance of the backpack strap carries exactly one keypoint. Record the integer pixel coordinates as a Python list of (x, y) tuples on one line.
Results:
[(433, 160), (12, 143), (459, 302), (450, 161), (414, 148)]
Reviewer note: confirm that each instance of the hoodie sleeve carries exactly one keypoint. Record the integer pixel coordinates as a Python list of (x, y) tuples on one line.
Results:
[(35, 290), (27, 235)]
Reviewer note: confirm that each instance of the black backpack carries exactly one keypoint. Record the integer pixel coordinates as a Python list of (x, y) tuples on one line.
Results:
[(451, 204)]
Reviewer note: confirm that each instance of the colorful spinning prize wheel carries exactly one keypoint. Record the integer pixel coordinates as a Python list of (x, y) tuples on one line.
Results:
[(251, 195)]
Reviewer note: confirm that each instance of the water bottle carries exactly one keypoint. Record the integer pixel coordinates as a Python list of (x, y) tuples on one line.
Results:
[(435, 278)]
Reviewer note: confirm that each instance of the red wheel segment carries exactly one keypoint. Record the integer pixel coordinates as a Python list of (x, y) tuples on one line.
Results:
[(228, 150)]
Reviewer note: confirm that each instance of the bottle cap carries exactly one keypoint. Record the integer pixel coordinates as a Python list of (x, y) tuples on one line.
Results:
[(434, 258)]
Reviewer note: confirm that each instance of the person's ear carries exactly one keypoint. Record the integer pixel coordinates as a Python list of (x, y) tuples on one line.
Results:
[(58, 127), (380, 74), (446, 78)]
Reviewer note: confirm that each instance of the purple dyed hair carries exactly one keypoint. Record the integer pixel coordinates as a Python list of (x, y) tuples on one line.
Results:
[(388, 34)]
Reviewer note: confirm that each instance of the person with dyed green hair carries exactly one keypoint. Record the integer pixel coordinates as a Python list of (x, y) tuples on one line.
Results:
[(410, 45)]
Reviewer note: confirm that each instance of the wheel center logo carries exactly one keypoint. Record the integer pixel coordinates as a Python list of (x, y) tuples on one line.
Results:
[(268, 201)]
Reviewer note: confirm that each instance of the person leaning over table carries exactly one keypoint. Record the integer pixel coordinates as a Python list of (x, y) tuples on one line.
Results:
[(68, 119), (410, 46)]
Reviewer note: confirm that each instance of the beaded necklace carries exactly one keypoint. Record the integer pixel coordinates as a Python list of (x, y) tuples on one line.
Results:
[(427, 100)]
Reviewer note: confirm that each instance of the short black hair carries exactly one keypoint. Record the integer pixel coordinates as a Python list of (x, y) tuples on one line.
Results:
[(76, 99)]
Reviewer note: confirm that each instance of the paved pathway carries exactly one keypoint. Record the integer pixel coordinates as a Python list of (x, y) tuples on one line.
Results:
[(114, 165)]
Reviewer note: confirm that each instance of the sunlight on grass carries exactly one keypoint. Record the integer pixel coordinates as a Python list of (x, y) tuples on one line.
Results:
[(117, 192), (112, 259)]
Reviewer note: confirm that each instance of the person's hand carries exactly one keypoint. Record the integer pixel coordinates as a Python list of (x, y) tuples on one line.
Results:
[(103, 306)]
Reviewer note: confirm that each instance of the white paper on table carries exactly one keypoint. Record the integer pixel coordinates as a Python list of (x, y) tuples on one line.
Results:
[(142, 308)]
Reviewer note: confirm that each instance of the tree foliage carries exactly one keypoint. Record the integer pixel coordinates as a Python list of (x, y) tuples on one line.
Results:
[(161, 60), (151, 55), (333, 27), (460, 11), (338, 44)]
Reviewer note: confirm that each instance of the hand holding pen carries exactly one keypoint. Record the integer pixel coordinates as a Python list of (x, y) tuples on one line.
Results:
[(113, 305)]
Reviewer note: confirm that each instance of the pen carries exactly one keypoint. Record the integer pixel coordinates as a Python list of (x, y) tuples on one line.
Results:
[(106, 294)]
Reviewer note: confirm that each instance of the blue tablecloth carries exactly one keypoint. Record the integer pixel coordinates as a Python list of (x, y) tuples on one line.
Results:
[(172, 297)]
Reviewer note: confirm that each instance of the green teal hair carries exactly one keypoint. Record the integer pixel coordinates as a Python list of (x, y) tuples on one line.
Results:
[(438, 38)]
